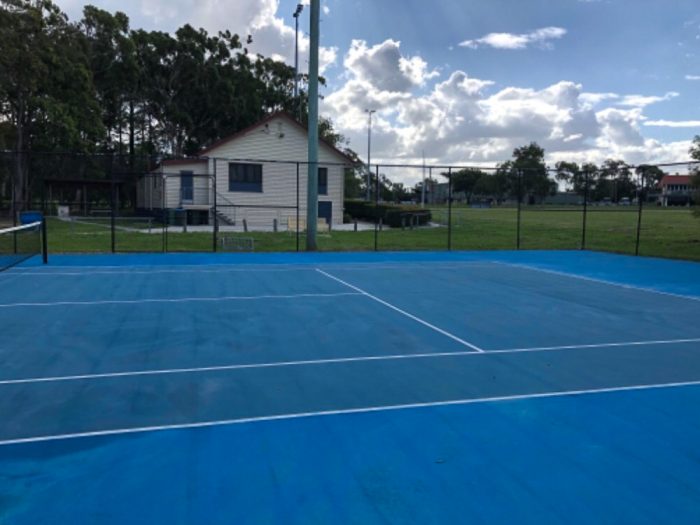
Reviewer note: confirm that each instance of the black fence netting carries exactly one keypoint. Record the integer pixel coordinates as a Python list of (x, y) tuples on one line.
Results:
[(119, 203)]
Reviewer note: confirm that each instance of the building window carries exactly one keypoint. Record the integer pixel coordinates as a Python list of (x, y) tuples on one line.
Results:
[(323, 181), (245, 177)]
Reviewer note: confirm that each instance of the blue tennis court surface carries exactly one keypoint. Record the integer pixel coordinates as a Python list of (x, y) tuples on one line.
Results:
[(494, 387)]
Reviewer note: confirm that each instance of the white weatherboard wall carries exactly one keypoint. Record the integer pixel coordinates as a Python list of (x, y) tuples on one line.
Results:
[(280, 140), (167, 179), (172, 182)]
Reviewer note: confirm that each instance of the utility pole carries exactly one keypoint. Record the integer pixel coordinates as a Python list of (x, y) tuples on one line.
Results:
[(312, 182), (422, 189), (369, 112)]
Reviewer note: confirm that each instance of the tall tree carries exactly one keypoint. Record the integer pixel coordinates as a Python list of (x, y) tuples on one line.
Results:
[(465, 181), (613, 181), (115, 72), (527, 173), (649, 176), (46, 89), (572, 176)]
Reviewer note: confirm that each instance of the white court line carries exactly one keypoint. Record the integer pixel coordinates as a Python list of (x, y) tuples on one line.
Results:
[(428, 266), (180, 300), (50, 268), (239, 269), (152, 272), (311, 362), (600, 281), (362, 410), (402, 312), (21, 227)]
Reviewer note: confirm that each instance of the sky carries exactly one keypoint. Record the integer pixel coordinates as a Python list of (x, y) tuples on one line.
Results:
[(467, 81)]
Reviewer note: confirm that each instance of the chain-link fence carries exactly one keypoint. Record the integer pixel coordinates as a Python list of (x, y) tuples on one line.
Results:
[(111, 203)]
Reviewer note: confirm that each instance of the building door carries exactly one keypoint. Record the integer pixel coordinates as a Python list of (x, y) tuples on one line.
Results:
[(325, 211), (186, 187)]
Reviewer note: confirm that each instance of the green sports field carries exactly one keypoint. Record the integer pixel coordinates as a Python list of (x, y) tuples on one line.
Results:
[(671, 232)]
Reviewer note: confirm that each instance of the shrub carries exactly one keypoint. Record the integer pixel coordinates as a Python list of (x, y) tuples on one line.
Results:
[(394, 215)]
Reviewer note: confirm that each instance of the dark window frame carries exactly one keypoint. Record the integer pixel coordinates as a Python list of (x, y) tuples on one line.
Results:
[(245, 177), (323, 188)]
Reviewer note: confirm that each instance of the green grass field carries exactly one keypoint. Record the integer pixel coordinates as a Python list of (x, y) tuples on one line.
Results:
[(673, 233)]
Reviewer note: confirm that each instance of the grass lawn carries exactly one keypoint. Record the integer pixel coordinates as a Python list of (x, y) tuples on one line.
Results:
[(670, 232)]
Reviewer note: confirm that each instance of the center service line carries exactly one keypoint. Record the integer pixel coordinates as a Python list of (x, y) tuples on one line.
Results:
[(402, 312)]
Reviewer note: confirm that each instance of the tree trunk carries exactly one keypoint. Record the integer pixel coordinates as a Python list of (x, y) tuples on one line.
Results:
[(19, 183), (131, 131)]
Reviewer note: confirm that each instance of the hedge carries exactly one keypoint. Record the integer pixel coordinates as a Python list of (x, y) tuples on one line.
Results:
[(394, 215)]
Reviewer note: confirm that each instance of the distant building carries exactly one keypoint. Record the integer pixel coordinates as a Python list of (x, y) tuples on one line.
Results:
[(675, 190), (564, 198)]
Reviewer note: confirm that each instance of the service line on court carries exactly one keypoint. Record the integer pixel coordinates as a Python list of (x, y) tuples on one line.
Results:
[(402, 312), (336, 360), (181, 300), (347, 411)]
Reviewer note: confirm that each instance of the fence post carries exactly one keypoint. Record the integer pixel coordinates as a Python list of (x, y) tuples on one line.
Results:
[(640, 199), (585, 210), (520, 199), (449, 209), (44, 242), (16, 168), (297, 222), (44, 207), (376, 209), (215, 233), (113, 211), (164, 201)]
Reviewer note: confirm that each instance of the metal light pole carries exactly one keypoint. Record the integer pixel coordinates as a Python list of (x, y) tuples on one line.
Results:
[(422, 189), (369, 150), (312, 182), (296, 14)]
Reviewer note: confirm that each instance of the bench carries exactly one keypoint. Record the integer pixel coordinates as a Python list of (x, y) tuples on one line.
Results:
[(292, 226)]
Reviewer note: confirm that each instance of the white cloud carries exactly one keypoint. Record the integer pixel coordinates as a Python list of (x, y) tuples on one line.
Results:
[(692, 77), (456, 118), (592, 100), (462, 119), (517, 41), (385, 68), (260, 18), (640, 101), (673, 123), (271, 36)]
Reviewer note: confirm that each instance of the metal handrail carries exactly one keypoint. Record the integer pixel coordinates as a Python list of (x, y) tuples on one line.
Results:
[(220, 197)]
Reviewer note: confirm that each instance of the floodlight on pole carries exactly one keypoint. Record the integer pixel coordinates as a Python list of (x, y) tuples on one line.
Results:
[(297, 101), (369, 112)]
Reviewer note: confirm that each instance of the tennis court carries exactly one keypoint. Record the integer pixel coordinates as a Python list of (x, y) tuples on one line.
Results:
[(453, 387)]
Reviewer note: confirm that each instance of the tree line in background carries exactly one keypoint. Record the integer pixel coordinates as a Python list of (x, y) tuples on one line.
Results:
[(527, 177), (98, 86)]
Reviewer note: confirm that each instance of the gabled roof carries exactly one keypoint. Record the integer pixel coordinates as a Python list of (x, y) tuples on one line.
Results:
[(272, 116), (675, 179)]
